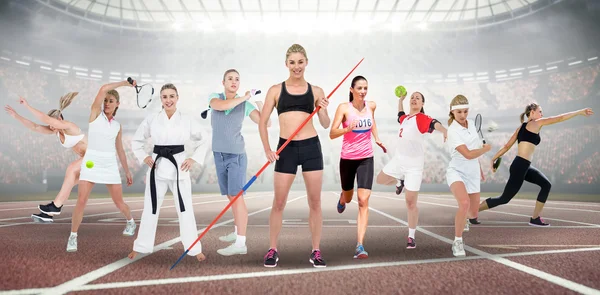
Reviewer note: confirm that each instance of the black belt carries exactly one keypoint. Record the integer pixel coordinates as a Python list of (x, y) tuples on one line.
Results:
[(165, 151)]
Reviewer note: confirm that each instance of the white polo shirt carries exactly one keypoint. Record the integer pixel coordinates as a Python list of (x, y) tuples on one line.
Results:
[(457, 136)]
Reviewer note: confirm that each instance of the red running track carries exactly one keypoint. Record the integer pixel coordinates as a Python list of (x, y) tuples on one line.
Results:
[(504, 254)]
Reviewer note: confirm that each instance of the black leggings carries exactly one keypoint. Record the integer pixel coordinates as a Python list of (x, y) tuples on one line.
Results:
[(521, 170), (363, 169)]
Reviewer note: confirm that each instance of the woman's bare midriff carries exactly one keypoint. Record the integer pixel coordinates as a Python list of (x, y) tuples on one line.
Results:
[(290, 121), (80, 148), (526, 150)]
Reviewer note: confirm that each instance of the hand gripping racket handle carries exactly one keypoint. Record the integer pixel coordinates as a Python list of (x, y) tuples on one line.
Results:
[(262, 169)]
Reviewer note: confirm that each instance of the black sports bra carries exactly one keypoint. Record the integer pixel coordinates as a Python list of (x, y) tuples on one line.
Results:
[(528, 136), (295, 102)]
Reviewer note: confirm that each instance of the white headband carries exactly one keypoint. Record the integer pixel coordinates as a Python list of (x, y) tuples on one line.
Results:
[(459, 106)]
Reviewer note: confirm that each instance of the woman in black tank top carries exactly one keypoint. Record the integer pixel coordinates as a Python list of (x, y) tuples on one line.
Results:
[(521, 169), (306, 152)]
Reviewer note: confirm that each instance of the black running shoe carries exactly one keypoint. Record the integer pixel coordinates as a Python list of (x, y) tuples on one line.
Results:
[(50, 209), (42, 218), (399, 188), (538, 222), (340, 207), (316, 259), (271, 258), (474, 221), (411, 244)]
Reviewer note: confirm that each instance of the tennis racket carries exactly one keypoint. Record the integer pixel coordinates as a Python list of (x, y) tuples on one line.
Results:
[(144, 93), (478, 120), (204, 113)]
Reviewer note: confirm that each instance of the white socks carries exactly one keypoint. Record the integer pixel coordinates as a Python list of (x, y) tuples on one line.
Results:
[(458, 239), (73, 234), (411, 232), (240, 241), (131, 220)]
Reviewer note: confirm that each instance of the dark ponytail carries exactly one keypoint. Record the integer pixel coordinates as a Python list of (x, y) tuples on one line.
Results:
[(423, 96), (356, 79), (530, 107)]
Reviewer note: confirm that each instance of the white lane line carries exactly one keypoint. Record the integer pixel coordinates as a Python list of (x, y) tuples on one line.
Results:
[(527, 206), (79, 282), (128, 201), (210, 278), (526, 269), (495, 211), (134, 210)]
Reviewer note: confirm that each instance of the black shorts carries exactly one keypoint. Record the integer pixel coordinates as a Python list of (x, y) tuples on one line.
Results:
[(363, 169), (306, 152)]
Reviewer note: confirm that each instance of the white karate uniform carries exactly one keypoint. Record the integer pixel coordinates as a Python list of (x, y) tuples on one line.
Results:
[(460, 168), (178, 130)]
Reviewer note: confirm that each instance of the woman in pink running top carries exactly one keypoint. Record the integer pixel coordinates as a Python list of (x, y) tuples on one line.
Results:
[(358, 124)]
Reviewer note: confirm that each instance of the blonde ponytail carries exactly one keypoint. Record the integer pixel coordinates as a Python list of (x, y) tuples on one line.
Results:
[(64, 102)]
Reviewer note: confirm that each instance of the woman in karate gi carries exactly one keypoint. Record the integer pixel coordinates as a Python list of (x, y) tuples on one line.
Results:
[(170, 130)]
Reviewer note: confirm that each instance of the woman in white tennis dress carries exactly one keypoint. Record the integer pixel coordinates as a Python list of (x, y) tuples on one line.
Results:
[(464, 172), (104, 145)]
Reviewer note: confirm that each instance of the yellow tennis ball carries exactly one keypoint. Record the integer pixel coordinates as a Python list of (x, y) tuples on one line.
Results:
[(400, 91), (89, 164)]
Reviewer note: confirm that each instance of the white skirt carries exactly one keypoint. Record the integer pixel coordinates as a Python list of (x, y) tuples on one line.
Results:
[(409, 169), (105, 169), (472, 181)]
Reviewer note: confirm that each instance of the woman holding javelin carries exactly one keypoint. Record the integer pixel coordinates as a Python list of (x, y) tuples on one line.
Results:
[(295, 99)]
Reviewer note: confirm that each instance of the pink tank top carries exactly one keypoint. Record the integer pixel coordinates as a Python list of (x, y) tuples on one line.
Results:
[(357, 143)]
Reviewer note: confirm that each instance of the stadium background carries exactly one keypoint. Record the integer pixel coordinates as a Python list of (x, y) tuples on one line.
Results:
[(545, 52)]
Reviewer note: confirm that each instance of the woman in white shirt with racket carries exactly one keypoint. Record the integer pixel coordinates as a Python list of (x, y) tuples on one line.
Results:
[(464, 171), (104, 145)]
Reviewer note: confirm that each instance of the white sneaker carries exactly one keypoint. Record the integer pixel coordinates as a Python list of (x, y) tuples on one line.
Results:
[(466, 229), (233, 250), (458, 248), (230, 238), (72, 244), (129, 229)]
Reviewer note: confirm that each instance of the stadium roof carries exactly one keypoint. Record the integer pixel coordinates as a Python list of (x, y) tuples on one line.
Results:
[(284, 15)]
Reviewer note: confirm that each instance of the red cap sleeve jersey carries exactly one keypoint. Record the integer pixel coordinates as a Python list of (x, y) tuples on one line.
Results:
[(423, 122), (409, 147)]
